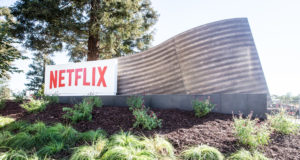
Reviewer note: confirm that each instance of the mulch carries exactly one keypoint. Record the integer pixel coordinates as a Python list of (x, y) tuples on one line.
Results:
[(181, 128)]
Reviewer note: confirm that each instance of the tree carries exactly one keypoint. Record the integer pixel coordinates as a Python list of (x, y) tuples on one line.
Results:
[(8, 53), (36, 74), (90, 29)]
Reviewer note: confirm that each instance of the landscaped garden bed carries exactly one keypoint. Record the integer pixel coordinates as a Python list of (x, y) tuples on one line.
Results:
[(181, 128)]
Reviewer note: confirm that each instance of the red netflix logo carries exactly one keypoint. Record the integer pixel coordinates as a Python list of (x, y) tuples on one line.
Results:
[(57, 77)]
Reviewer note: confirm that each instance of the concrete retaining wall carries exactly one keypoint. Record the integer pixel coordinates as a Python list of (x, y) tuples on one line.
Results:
[(225, 103)]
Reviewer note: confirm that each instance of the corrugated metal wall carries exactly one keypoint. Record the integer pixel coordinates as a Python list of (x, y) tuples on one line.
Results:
[(218, 57)]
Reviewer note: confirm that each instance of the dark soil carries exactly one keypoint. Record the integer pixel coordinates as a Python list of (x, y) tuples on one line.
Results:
[(182, 128)]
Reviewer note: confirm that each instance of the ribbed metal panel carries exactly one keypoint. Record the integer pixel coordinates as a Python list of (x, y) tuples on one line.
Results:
[(218, 57)]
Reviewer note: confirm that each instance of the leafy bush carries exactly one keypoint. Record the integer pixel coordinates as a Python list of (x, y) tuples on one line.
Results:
[(202, 108), (146, 121), (2, 103), (81, 111), (135, 102), (246, 155), (202, 152), (52, 99), (283, 123), (5, 121), (160, 146), (34, 106), (249, 133)]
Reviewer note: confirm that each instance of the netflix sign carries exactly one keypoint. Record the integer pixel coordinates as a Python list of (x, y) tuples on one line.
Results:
[(80, 79)]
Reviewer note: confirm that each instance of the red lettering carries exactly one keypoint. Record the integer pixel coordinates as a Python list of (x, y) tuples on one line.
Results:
[(77, 76), (93, 76), (53, 79), (70, 71), (84, 78), (61, 77), (101, 78)]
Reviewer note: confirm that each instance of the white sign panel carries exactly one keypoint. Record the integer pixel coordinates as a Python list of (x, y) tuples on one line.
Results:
[(79, 79)]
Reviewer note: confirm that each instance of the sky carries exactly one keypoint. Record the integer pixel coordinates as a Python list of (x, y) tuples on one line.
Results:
[(275, 26)]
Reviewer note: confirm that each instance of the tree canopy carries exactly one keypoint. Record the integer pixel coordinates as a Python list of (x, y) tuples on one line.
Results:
[(8, 53), (87, 29)]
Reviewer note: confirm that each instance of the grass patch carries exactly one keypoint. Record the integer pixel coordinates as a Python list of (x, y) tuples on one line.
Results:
[(160, 146), (5, 121), (243, 154), (202, 152)]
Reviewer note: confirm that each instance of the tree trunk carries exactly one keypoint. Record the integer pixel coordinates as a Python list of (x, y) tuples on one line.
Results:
[(94, 28)]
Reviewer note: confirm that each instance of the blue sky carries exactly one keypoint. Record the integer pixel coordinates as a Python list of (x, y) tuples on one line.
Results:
[(275, 27)]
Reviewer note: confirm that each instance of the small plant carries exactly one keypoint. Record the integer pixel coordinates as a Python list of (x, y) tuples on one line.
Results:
[(52, 99), (283, 123), (128, 153), (246, 155), (160, 146), (124, 139), (96, 101), (2, 103), (90, 136), (135, 102), (145, 120), (81, 111), (202, 152), (34, 106), (17, 155), (248, 133), (202, 108)]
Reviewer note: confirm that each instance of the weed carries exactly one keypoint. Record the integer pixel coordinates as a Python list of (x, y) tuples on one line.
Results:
[(34, 106), (135, 102), (283, 123), (202, 108), (5, 121), (202, 152), (248, 133), (146, 121)]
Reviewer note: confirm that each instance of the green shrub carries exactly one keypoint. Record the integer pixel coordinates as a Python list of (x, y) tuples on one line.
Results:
[(135, 102), (160, 146), (81, 111), (5, 121), (202, 108), (2, 103), (249, 133), (34, 106), (246, 155), (145, 120), (283, 123), (202, 152), (52, 99)]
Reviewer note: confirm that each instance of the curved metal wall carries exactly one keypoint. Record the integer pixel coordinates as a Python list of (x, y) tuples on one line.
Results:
[(218, 57)]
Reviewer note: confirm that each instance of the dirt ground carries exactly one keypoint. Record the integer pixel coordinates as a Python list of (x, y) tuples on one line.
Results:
[(181, 128)]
